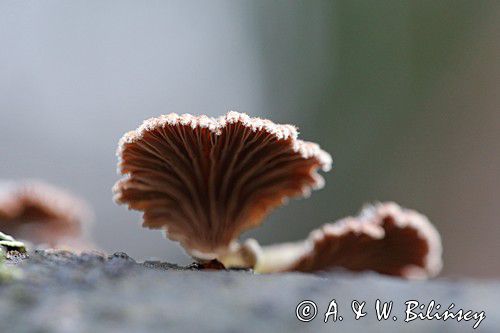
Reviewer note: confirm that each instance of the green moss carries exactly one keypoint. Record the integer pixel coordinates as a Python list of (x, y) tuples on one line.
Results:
[(8, 243)]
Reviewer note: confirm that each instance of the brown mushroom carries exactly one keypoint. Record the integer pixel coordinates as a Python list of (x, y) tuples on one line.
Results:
[(205, 180), (40, 213), (384, 238)]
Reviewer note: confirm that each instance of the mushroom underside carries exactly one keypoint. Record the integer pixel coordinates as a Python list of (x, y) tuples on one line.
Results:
[(204, 187)]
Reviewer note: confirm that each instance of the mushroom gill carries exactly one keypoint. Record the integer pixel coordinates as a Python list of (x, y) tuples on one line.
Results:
[(40, 213), (384, 238), (206, 180)]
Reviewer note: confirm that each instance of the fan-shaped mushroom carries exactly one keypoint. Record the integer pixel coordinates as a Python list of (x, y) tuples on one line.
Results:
[(205, 180), (40, 213), (384, 238)]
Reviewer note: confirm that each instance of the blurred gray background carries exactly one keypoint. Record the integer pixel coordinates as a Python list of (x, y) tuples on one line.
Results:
[(404, 94)]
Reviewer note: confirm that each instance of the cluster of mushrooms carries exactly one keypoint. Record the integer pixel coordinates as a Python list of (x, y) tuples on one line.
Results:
[(204, 181)]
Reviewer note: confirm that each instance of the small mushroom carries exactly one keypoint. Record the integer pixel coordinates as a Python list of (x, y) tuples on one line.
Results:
[(384, 238), (206, 180), (41, 213)]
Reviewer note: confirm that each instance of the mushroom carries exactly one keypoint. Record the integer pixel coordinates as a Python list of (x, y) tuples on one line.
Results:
[(384, 238), (206, 180), (41, 213)]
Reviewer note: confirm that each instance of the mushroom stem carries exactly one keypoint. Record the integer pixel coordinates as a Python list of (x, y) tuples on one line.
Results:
[(280, 257), (244, 255)]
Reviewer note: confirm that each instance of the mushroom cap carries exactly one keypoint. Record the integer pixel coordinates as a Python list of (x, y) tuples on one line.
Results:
[(206, 180), (384, 238), (40, 213)]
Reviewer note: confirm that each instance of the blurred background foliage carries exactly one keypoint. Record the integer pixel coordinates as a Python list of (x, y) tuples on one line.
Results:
[(404, 94)]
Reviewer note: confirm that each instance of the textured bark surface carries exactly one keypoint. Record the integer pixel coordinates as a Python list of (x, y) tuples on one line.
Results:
[(63, 292)]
